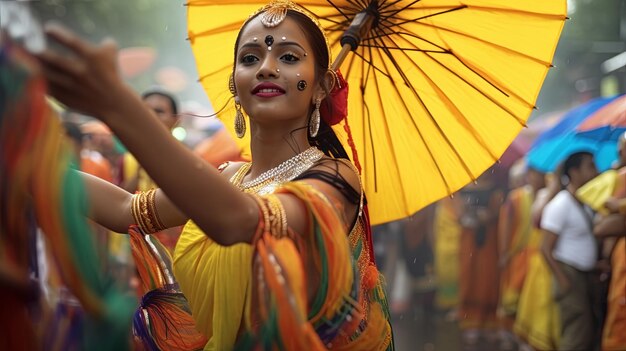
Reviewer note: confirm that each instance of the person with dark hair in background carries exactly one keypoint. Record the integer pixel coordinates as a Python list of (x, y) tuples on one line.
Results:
[(571, 251), (133, 177)]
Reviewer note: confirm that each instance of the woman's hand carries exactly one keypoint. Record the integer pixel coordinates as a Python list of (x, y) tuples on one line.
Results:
[(86, 79), (612, 204), (611, 225)]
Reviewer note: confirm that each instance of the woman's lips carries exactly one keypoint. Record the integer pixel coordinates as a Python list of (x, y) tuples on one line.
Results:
[(267, 90)]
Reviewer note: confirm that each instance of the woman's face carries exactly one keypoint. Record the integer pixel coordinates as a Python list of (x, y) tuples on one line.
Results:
[(270, 65)]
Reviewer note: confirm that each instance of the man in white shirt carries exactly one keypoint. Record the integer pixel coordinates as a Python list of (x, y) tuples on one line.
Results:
[(571, 251)]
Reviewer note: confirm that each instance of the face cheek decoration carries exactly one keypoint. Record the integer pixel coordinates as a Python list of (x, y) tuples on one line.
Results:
[(302, 85)]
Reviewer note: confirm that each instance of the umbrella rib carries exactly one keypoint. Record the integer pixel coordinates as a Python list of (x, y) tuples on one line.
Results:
[(409, 49), (337, 8), (457, 74), (418, 97), (214, 72), (448, 102), (521, 54), (382, 8), (392, 12), (364, 78), (371, 64), (414, 91), (500, 87), (386, 130), (447, 10), (387, 31), (518, 11)]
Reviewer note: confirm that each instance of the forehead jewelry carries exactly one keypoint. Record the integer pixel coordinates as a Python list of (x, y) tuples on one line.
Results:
[(269, 40), (302, 85), (273, 14)]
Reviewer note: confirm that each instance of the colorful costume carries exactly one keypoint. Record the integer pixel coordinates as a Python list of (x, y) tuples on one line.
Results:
[(272, 278), (516, 226), (479, 283), (447, 241), (537, 320)]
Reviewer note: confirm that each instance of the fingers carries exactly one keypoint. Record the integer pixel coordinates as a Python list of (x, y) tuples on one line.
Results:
[(68, 39), (58, 79), (54, 61)]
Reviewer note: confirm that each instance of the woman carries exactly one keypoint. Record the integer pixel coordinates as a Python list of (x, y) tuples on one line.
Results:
[(478, 258), (274, 267)]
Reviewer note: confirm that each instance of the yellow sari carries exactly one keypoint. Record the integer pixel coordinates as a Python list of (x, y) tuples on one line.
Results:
[(515, 221), (537, 320), (223, 291)]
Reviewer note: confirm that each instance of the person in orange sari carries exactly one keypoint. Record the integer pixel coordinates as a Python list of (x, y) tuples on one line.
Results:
[(614, 329), (613, 227), (515, 240), (479, 282)]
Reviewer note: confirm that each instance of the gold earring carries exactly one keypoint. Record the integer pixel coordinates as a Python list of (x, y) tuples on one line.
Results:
[(240, 121), (231, 85), (314, 123)]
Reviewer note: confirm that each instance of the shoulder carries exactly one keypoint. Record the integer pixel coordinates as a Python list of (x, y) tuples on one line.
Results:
[(335, 176), (335, 170), (559, 203)]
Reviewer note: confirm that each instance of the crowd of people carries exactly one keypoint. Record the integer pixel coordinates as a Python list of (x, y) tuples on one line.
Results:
[(272, 253), (276, 253), (528, 263)]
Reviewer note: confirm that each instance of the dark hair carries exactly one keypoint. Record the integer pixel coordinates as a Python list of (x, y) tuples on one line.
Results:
[(574, 161), (164, 93), (72, 130), (326, 139)]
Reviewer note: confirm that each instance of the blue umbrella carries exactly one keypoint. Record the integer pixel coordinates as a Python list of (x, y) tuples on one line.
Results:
[(554, 145), (607, 123), (571, 120), (547, 156)]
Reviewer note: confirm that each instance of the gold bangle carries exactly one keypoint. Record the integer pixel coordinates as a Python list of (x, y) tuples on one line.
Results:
[(278, 219), (153, 211), (273, 219), (144, 212)]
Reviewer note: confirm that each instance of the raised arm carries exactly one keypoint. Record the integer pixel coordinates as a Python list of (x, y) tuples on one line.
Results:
[(110, 205), (88, 81)]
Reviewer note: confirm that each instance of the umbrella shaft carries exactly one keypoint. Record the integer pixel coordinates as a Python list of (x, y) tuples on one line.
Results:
[(342, 56)]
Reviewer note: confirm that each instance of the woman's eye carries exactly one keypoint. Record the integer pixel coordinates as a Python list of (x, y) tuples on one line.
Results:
[(289, 57), (248, 59)]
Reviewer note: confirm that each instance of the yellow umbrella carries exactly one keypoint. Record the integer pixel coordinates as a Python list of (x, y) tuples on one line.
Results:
[(438, 88)]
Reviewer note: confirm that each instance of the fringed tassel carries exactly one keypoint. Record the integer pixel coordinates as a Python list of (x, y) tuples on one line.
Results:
[(163, 321), (279, 287), (36, 176)]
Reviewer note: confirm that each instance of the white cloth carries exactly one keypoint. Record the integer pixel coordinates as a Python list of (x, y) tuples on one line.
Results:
[(567, 218)]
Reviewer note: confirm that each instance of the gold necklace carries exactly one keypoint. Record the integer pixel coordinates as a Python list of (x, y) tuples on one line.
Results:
[(269, 180)]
